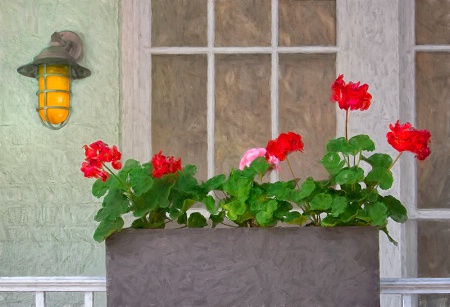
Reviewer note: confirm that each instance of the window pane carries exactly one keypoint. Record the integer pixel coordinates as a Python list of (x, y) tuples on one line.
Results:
[(242, 111), (179, 23), (433, 248), (434, 300), (305, 107), (306, 22), (179, 108), (432, 22), (433, 113), (433, 257), (243, 23)]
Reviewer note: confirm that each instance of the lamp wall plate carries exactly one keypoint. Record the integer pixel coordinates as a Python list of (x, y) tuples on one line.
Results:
[(73, 42)]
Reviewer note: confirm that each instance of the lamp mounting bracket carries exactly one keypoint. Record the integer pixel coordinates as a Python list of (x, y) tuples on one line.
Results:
[(69, 41)]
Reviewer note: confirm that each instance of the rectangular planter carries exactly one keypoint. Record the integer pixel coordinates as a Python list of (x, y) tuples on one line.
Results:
[(293, 266)]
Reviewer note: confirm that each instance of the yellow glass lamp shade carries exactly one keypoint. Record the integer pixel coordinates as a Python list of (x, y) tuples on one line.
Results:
[(54, 93)]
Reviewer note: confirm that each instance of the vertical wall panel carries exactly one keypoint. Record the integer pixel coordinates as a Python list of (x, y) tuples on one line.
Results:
[(242, 112), (179, 108)]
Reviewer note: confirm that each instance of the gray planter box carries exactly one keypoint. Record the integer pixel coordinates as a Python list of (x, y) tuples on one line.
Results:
[(309, 266)]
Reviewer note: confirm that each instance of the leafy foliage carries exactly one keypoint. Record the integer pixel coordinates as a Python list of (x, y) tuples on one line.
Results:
[(349, 197), (249, 202), (152, 201), (161, 191)]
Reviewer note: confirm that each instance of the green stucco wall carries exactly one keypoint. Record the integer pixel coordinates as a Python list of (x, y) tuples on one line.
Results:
[(46, 210)]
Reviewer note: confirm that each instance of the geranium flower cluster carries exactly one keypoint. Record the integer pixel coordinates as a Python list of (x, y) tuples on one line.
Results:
[(285, 144), (254, 153), (276, 150), (97, 154), (404, 137), (351, 96), (163, 165)]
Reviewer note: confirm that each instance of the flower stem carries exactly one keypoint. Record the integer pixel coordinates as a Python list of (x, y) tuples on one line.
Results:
[(129, 194), (112, 173), (292, 172), (346, 125), (396, 159), (346, 134)]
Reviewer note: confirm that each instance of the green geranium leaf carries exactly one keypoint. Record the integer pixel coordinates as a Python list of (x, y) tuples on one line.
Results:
[(257, 204), (210, 204), (214, 183), (339, 145), (264, 218), (379, 160), (332, 163), (187, 204), (174, 213), (321, 202), (234, 209), (182, 219), (282, 210), (397, 211), (271, 206), (338, 206), (306, 190), (260, 166), (329, 221), (281, 190), (372, 195), (378, 213), (139, 224), (238, 186), (295, 218), (350, 176), (114, 205), (384, 229), (196, 220), (361, 142), (382, 176), (106, 228), (129, 165), (351, 211), (243, 219), (217, 218), (189, 169), (141, 180), (186, 182), (157, 196), (99, 188)]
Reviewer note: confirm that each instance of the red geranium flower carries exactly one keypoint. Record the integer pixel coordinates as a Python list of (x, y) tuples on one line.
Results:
[(406, 138), (163, 165), (284, 145), (350, 96), (97, 154)]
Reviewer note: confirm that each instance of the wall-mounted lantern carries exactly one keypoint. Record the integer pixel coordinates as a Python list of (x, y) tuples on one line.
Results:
[(54, 68)]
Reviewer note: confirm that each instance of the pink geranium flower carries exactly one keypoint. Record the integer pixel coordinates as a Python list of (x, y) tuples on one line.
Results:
[(254, 153)]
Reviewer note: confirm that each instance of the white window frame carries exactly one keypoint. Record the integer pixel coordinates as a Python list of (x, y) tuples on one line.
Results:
[(136, 83), (374, 44)]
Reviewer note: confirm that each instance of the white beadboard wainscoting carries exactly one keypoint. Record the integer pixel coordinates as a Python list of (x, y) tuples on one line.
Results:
[(407, 288)]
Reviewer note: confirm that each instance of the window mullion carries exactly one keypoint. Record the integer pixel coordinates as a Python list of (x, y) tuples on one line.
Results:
[(210, 88)]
